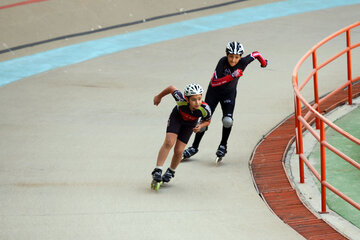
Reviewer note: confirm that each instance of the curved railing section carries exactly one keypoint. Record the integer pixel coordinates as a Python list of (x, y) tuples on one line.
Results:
[(306, 112)]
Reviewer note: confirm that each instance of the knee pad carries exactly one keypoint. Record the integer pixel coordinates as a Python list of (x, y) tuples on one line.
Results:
[(227, 122), (203, 129)]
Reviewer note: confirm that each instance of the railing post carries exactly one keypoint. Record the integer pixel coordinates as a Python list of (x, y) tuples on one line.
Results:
[(296, 125), (300, 140), (298, 130), (348, 44), (320, 124), (323, 167), (316, 88)]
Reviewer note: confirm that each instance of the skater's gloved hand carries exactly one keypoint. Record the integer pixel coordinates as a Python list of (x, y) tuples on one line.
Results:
[(264, 65), (157, 100), (237, 73)]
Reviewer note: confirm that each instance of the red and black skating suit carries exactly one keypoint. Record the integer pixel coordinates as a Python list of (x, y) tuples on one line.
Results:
[(222, 89), (182, 120)]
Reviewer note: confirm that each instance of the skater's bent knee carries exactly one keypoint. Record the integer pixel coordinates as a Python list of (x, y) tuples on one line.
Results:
[(227, 122)]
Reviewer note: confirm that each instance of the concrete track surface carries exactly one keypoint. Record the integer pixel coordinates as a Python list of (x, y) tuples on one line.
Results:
[(78, 143)]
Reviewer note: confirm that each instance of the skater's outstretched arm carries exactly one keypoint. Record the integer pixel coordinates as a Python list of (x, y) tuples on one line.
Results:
[(166, 91), (260, 58)]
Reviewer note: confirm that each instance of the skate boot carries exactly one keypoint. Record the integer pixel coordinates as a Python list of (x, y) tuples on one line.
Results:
[(168, 175), (157, 180), (188, 153), (220, 153)]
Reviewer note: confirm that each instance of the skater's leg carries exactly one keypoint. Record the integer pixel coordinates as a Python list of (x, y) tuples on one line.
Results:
[(170, 139), (191, 151), (222, 149), (225, 135), (197, 139), (227, 106), (169, 142), (178, 152)]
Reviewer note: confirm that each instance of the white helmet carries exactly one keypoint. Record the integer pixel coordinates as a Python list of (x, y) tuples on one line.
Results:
[(234, 48), (193, 89)]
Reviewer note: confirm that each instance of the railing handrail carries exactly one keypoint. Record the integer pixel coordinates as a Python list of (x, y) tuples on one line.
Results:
[(325, 40), (297, 89), (301, 121)]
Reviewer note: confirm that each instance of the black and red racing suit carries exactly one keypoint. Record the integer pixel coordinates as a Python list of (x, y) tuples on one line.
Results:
[(222, 87), (182, 119)]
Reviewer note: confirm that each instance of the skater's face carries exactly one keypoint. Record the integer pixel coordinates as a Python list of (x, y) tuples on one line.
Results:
[(195, 101), (233, 59)]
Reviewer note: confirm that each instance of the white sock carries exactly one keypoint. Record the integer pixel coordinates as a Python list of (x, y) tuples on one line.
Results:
[(159, 167)]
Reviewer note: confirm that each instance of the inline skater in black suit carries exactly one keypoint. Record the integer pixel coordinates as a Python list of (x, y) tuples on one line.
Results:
[(222, 89), (189, 115)]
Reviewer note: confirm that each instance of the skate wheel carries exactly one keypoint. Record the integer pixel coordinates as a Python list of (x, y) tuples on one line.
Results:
[(155, 185), (218, 160)]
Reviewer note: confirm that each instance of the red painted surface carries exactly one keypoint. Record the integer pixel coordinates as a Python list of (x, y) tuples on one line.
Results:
[(21, 3), (273, 184)]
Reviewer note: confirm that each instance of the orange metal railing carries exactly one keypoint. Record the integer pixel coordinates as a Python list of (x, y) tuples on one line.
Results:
[(302, 123)]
